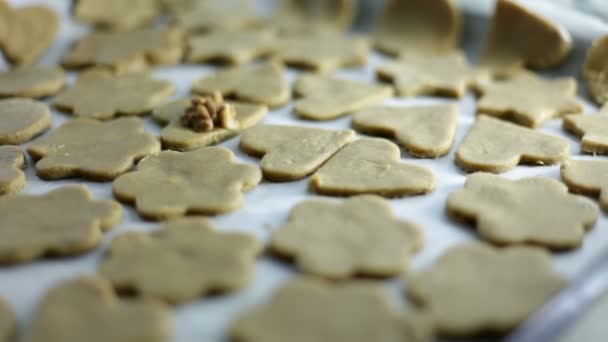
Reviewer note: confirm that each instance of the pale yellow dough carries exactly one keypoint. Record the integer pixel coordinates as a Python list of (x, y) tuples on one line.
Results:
[(31, 81), (302, 17), (588, 177), (230, 46), (117, 15), (203, 15), (596, 70), (592, 129), (12, 161), (8, 322), (22, 120)]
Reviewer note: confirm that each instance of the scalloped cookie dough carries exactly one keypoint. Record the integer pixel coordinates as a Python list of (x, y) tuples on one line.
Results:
[(92, 149), (508, 212), (359, 236), (177, 137), (172, 184), (264, 84), (8, 322), (67, 221), (103, 96), (298, 17), (328, 98), (424, 131), (117, 15), (529, 100), (186, 259), (230, 46), (202, 16), (497, 146), (12, 161), (517, 282), (292, 152), (371, 166), (596, 70), (22, 120), (359, 311), (31, 81), (86, 309), (592, 129), (587, 177)]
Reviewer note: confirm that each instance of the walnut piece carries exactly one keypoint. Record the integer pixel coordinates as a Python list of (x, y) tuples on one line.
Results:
[(209, 112)]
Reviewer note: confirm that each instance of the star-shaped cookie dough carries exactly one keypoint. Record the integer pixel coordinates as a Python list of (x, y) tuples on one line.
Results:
[(172, 184), (516, 281), (338, 312), (86, 309), (425, 131), (201, 16), (12, 178), (175, 136), (185, 259), (22, 119), (371, 166), (327, 98), (31, 81), (596, 70), (265, 84), (65, 221), (8, 322), (292, 152), (102, 96), (497, 146), (592, 129), (92, 149), (588, 177), (231, 46), (515, 211), (117, 15), (360, 236)]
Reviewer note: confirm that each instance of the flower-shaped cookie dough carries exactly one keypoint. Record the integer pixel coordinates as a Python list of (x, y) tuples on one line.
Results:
[(371, 166), (515, 211), (22, 120), (171, 184), (8, 323), (476, 288), (340, 240), (92, 149), (63, 222), (12, 178), (32, 81), (117, 15), (86, 309), (183, 260), (593, 130), (497, 146), (309, 309), (177, 137), (588, 177), (234, 47)]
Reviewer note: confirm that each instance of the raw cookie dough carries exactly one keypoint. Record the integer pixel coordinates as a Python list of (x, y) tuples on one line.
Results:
[(92, 149), (185, 259), (292, 152), (86, 309), (588, 177), (66, 221), (498, 146), (516, 281), (371, 166), (204, 15), (327, 98), (103, 96), (31, 81), (12, 178), (508, 212), (596, 70), (360, 236), (428, 27), (22, 120), (528, 99), (592, 129), (117, 15), (230, 46), (8, 323), (520, 37), (172, 184), (177, 137), (425, 131), (338, 312), (126, 52), (265, 84), (301, 17)]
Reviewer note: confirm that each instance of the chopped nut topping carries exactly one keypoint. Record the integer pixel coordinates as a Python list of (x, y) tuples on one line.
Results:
[(206, 113)]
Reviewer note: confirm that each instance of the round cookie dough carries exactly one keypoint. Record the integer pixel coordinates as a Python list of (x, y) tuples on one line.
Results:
[(31, 81), (22, 120)]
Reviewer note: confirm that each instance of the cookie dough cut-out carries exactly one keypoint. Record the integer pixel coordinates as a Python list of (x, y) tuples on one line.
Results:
[(596, 70), (22, 120), (425, 131), (231, 46), (517, 281), (201, 16), (292, 152), (67, 222), (588, 177), (86, 309), (31, 81), (177, 137), (498, 146), (92, 149), (328, 98), (515, 211), (265, 84), (8, 322), (117, 15), (295, 17), (371, 166), (102, 96), (351, 312), (184, 260), (592, 129), (12, 161), (528, 99), (172, 184)]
